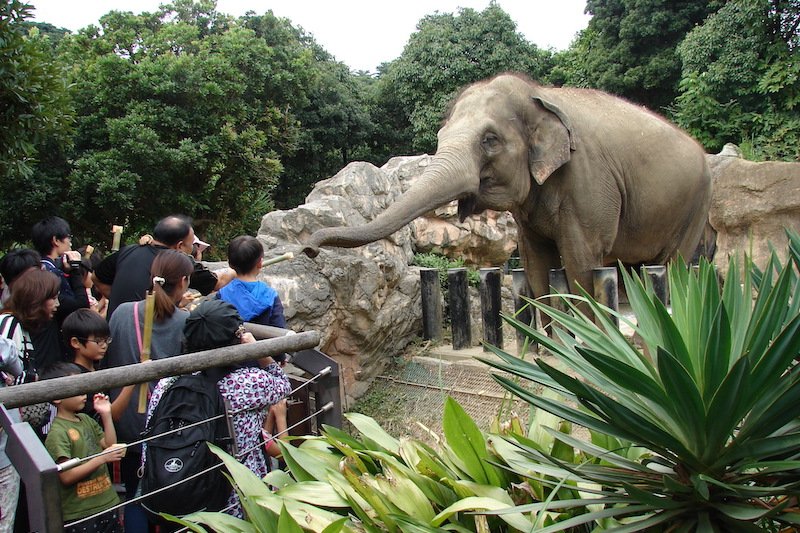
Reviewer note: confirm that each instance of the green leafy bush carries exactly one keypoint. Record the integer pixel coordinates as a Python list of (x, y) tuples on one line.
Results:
[(710, 402), (442, 264)]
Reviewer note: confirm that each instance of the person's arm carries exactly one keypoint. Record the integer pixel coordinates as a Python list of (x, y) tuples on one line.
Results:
[(224, 277), (121, 402), (102, 406)]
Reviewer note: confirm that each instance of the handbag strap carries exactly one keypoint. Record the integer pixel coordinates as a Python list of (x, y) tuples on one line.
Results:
[(138, 329)]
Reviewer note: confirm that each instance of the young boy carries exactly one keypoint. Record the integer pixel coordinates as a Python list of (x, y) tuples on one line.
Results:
[(87, 336), (256, 301), (86, 488)]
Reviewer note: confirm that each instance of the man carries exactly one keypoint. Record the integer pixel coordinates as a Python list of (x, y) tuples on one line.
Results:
[(52, 239), (124, 276)]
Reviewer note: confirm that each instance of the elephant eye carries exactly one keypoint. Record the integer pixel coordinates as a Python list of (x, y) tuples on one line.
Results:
[(490, 141)]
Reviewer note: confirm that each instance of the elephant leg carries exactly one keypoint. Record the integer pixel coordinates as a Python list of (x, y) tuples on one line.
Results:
[(538, 257)]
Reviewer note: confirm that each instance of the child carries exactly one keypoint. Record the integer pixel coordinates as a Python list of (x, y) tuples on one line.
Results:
[(87, 335), (86, 489), (256, 301)]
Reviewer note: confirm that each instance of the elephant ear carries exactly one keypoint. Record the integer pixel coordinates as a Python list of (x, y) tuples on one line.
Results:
[(550, 142)]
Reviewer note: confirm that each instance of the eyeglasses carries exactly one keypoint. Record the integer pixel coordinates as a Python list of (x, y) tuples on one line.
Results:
[(104, 341)]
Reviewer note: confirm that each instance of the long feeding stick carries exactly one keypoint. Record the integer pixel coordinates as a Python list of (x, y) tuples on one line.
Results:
[(284, 257), (147, 337), (117, 231)]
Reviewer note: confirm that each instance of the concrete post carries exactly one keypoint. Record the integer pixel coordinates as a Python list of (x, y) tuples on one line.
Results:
[(458, 292), (491, 305), (431, 303), (557, 277), (525, 314), (604, 281), (658, 276)]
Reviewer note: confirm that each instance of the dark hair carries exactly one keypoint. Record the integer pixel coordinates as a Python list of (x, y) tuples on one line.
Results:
[(172, 229), (212, 324), (83, 323), (243, 253), (27, 302), (172, 266), (43, 232), (60, 370), (18, 261)]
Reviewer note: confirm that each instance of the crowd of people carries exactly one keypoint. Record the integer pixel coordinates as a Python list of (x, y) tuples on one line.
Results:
[(61, 310)]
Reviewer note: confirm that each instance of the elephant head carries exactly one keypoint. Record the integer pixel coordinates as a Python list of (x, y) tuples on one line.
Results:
[(498, 138)]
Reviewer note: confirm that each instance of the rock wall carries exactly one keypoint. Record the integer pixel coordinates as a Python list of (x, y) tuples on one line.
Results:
[(366, 301), (751, 205)]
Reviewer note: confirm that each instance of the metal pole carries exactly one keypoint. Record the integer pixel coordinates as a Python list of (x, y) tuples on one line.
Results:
[(431, 303), (458, 291), (520, 288), (491, 305), (38, 472), (604, 281), (658, 277)]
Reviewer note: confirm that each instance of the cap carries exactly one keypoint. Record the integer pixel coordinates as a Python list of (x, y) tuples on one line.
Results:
[(212, 324)]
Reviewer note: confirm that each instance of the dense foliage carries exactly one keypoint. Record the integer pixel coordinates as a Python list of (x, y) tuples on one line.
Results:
[(187, 109)]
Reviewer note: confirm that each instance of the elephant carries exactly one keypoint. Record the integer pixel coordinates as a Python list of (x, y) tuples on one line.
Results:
[(589, 178)]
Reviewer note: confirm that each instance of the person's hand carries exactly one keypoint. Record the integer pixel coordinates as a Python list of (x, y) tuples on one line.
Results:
[(247, 338), (71, 256), (102, 405), (115, 452)]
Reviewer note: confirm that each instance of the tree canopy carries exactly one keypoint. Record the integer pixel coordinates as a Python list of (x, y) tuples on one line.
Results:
[(186, 109)]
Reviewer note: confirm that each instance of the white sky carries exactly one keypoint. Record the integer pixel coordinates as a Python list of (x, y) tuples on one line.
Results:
[(361, 33)]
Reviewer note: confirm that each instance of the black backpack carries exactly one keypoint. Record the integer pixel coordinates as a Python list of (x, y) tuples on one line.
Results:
[(177, 456)]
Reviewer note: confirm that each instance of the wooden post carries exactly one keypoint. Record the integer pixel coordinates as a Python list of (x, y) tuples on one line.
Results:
[(491, 305), (525, 314), (458, 291), (431, 303), (604, 281), (114, 378)]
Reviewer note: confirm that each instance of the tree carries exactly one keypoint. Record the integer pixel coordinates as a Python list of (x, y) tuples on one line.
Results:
[(744, 90), (447, 52), (34, 112), (182, 110), (628, 47)]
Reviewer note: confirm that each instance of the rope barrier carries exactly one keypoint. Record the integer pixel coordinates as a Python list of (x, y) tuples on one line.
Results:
[(71, 463), (75, 461), (327, 407)]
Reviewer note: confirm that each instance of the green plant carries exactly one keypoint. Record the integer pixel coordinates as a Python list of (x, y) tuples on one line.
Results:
[(697, 430), (340, 482), (443, 264)]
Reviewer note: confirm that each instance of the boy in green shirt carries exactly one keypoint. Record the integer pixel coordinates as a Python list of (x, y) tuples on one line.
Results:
[(86, 488)]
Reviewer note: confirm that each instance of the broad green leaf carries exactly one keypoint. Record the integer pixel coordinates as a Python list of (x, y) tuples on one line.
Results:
[(287, 524), (466, 441), (515, 520), (313, 492), (371, 430)]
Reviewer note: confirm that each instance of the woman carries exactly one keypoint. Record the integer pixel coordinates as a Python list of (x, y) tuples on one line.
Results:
[(249, 391), (27, 313), (170, 274)]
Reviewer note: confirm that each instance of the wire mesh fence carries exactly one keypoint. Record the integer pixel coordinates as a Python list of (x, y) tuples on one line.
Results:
[(408, 398)]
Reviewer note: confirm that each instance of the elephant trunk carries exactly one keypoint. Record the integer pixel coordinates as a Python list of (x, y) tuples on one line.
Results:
[(449, 176)]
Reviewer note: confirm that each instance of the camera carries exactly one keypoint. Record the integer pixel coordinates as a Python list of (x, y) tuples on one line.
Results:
[(74, 264)]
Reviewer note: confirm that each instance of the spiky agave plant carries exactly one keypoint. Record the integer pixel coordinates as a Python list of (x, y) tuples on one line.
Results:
[(713, 394)]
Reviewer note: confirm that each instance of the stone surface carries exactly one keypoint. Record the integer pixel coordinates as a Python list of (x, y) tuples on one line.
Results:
[(366, 301), (751, 205)]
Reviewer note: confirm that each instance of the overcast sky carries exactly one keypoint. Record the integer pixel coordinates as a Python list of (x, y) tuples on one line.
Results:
[(361, 33)]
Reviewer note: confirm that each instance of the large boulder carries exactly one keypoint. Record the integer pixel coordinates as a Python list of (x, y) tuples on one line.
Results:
[(366, 301), (751, 205)]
